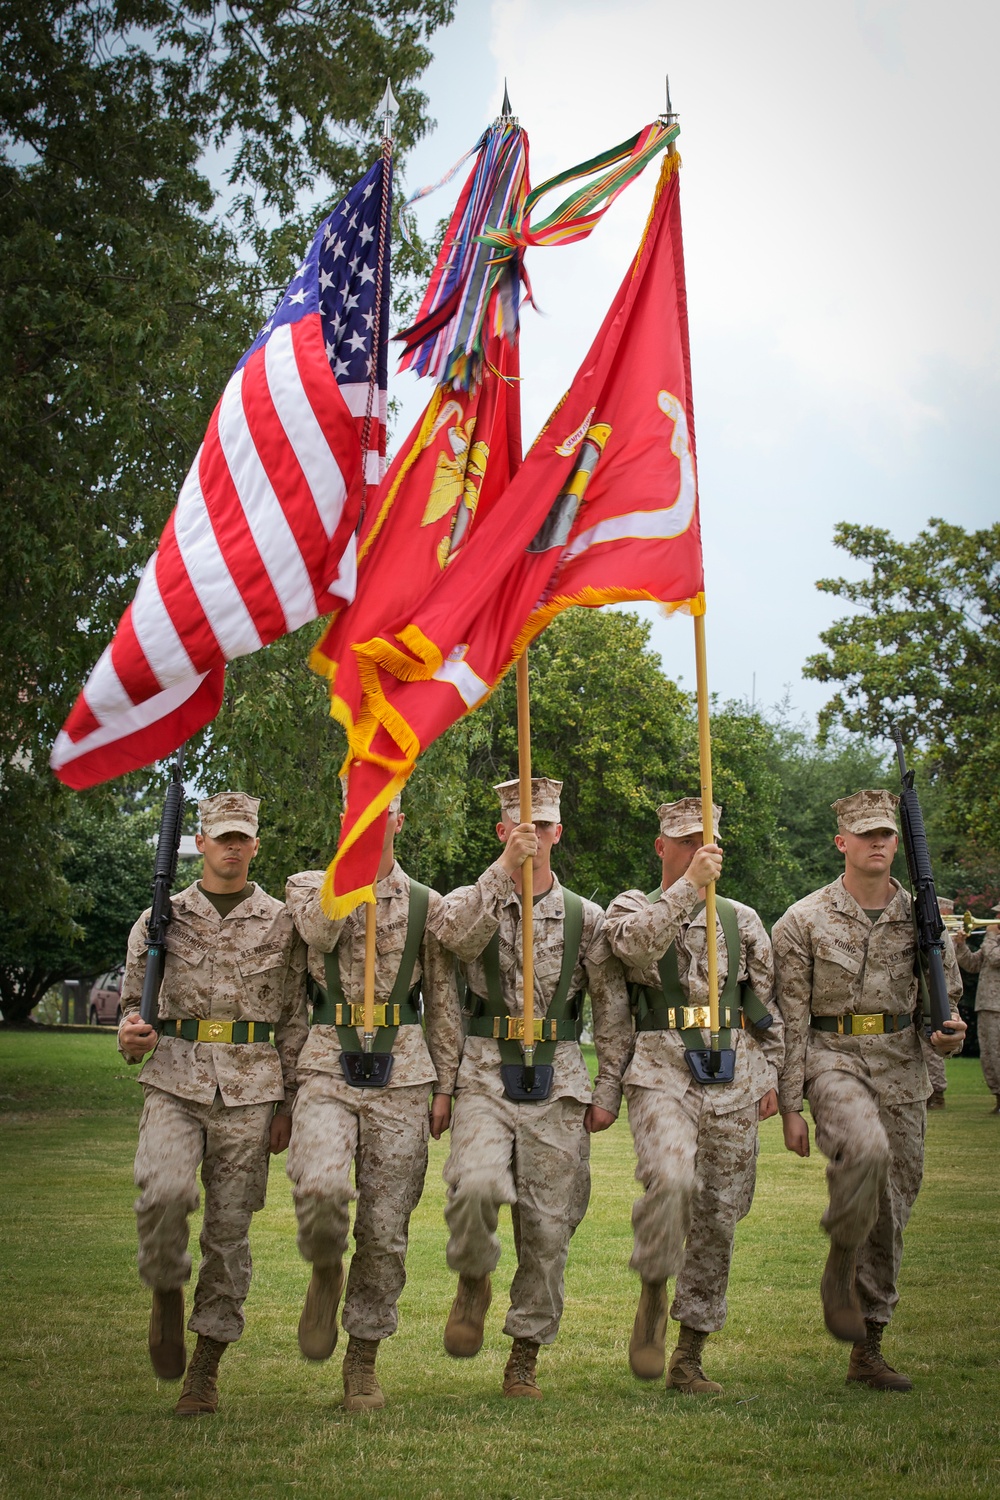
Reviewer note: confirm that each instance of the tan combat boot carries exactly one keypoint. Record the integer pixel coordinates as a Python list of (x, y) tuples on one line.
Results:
[(869, 1368), (318, 1323), (166, 1334), (684, 1372), (519, 1373), (647, 1347), (936, 1101), (463, 1334), (200, 1396), (362, 1391), (841, 1309)]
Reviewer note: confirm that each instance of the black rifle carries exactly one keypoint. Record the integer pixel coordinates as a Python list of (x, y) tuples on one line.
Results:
[(164, 870), (926, 912)]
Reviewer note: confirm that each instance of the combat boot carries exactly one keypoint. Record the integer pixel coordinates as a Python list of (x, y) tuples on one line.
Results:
[(869, 1368), (318, 1323), (684, 1372), (463, 1334), (996, 1108), (167, 1353), (362, 1391), (841, 1309), (200, 1396), (519, 1372), (936, 1101), (647, 1347)]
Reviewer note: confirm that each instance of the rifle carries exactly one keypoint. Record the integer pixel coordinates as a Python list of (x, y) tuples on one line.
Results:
[(926, 912), (164, 870)]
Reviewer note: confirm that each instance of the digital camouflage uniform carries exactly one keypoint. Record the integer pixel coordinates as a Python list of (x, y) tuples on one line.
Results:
[(696, 1144), (381, 1131), (986, 963), (535, 1157), (866, 1093), (212, 1103)]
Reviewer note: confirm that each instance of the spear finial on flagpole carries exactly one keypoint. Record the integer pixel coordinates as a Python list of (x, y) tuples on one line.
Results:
[(506, 110), (387, 108)]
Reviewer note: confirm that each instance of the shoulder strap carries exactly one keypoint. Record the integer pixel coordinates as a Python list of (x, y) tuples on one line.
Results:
[(572, 936), (416, 920)]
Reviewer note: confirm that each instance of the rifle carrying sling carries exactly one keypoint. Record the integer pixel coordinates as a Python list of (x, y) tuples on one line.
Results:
[(332, 1008), (563, 1020), (667, 1009)]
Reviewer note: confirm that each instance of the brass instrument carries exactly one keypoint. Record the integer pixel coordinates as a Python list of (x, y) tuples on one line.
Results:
[(968, 923)]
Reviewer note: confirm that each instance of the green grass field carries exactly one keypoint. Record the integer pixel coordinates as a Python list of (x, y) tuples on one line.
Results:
[(81, 1412)]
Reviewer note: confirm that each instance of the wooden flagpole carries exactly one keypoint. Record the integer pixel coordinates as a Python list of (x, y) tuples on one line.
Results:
[(527, 891), (388, 106), (707, 827)]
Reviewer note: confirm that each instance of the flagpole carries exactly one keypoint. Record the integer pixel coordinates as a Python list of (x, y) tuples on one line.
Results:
[(388, 106), (527, 891), (707, 823)]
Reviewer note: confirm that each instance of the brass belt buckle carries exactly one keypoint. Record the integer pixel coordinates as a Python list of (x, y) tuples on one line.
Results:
[(515, 1029), (695, 1015), (870, 1025), (213, 1031)]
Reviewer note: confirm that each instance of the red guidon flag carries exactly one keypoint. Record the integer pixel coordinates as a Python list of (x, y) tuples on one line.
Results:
[(262, 537), (604, 508)]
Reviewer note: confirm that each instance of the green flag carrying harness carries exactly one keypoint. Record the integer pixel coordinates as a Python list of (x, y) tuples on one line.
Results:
[(562, 1022), (668, 1008), (332, 1009)]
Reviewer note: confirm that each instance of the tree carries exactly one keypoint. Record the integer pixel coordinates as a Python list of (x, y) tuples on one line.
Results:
[(106, 864), (924, 652), (126, 295)]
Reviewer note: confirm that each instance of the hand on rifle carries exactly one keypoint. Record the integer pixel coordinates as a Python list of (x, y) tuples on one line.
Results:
[(136, 1038), (440, 1115), (796, 1133), (950, 1041), (521, 844)]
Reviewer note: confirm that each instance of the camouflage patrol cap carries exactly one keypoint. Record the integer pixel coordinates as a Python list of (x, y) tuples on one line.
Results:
[(394, 805), (863, 812), (678, 819), (544, 799), (946, 906), (229, 812)]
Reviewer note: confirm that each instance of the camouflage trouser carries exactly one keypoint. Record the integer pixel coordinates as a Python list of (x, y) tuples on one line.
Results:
[(698, 1170), (383, 1132), (988, 1023), (231, 1145), (535, 1157), (935, 1066), (875, 1161)]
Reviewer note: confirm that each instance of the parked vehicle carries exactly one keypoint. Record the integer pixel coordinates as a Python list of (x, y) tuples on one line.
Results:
[(106, 999)]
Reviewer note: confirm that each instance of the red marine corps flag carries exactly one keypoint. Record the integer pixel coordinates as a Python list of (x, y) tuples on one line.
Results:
[(603, 509), (262, 537)]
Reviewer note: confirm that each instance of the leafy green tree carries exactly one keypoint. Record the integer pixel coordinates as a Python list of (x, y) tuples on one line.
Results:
[(106, 864), (126, 296), (922, 649)]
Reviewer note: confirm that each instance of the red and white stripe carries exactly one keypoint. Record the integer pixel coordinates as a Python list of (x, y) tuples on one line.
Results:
[(260, 542)]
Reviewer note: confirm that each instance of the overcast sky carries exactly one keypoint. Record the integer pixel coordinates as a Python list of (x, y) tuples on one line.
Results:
[(840, 225)]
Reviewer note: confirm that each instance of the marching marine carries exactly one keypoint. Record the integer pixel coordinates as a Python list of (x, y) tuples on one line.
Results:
[(848, 987), (379, 1121), (985, 961), (695, 1139), (219, 1088), (508, 1145)]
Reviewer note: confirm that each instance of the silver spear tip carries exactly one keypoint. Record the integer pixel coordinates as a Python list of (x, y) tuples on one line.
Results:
[(388, 106)]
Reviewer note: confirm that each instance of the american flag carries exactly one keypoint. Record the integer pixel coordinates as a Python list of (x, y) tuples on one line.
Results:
[(262, 537)]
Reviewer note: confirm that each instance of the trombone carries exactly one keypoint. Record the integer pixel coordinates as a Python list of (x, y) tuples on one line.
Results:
[(968, 923)]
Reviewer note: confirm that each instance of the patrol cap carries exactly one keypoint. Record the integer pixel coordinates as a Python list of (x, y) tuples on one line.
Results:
[(862, 812), (678, 819), (394, 805), (229, 812), (946, 906), (544, 799)]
